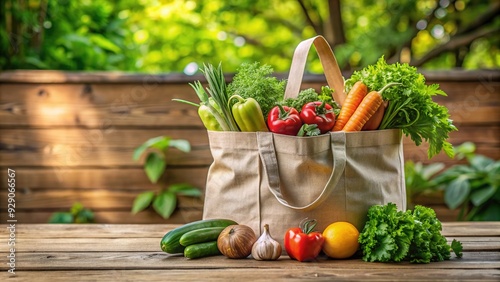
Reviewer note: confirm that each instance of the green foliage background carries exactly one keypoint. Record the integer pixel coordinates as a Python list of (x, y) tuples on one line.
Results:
[(178, 36)]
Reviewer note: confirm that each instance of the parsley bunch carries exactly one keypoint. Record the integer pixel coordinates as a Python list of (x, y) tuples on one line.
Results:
[(390, 235), (411, 107), (255, 81)]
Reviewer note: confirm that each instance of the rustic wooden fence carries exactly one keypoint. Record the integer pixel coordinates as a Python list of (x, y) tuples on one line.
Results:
[(70, 138)]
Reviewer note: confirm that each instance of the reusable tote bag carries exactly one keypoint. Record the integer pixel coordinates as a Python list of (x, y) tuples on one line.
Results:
[(259, 178)]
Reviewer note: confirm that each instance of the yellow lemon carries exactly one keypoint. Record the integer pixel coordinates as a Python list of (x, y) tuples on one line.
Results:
[(341, 240)]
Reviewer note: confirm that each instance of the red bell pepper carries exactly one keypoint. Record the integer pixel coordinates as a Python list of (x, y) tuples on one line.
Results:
[(284, 120), (318, 113), (302, 243)]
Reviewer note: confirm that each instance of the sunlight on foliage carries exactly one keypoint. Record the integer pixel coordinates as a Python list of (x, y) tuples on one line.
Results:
[(168, 36)]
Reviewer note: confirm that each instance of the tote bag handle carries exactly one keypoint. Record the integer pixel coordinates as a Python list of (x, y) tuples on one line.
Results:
[(269, 160), (338, 139), (328, 61)]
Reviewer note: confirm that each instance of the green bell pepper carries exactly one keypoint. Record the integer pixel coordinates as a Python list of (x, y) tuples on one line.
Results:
[(248, 114)]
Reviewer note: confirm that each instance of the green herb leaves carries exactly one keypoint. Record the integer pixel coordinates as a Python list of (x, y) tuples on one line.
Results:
[(411, 107), (255, 81), (390, 235)]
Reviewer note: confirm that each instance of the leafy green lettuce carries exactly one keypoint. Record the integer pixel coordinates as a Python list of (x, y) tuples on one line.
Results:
[(390, 235), (411, 107)]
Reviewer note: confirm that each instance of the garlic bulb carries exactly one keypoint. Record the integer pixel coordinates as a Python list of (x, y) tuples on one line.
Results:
[(266, 248)]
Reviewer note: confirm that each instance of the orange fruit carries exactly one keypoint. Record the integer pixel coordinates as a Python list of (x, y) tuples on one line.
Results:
[(341, 240)]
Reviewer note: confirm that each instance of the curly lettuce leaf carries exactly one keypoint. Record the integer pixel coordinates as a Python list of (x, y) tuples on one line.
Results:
[(457, 248), (410, 106), (428, 244), (387, 234), (390, 235)]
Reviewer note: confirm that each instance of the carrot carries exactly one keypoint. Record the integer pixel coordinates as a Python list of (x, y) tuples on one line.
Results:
[(374, 122), (366, 109), (353, 99)]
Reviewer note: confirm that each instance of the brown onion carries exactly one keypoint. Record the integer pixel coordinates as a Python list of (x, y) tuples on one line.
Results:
[(236, 241)]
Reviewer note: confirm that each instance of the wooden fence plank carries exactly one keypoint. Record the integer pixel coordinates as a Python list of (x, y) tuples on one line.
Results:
[(104, 105), (75, 147), (31, 179), (93, 199), (115, 216)]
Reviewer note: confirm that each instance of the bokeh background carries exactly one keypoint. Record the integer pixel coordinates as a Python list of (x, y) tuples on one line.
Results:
[(155, 36)]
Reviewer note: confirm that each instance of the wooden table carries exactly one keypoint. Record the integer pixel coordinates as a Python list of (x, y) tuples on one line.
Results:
[(103, 252)]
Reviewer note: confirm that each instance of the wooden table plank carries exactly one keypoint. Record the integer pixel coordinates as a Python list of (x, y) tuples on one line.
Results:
[(160, 260), (250, 274), (455, 229), (131, 252), (477, 228), (153, 244)]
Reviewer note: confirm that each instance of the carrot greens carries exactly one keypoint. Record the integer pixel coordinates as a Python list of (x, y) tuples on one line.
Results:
[(411, 107)]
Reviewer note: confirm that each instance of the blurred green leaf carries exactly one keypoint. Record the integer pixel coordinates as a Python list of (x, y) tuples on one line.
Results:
[(184, 190), (154, 166), (164, 204), (61, 217), (181, 144), (465, 149), (76, 208), (494, 174), (85, 216), (432, 169), (104, 43), (482, 195), (142, 201), (457, 192), (480, 162), (161, 143), (489, 213)]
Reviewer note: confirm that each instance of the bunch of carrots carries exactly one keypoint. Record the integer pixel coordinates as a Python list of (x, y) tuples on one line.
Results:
[(362, 110)]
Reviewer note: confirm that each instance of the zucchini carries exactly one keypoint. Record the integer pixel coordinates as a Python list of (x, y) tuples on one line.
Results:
[(202, 250), (170, 241), (200, 236)]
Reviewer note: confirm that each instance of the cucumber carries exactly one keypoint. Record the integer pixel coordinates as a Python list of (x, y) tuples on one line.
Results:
[(202, 250), (200, 236), (170, 241)]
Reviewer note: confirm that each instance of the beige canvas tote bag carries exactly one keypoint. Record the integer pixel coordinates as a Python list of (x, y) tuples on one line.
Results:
[(259, 178)]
